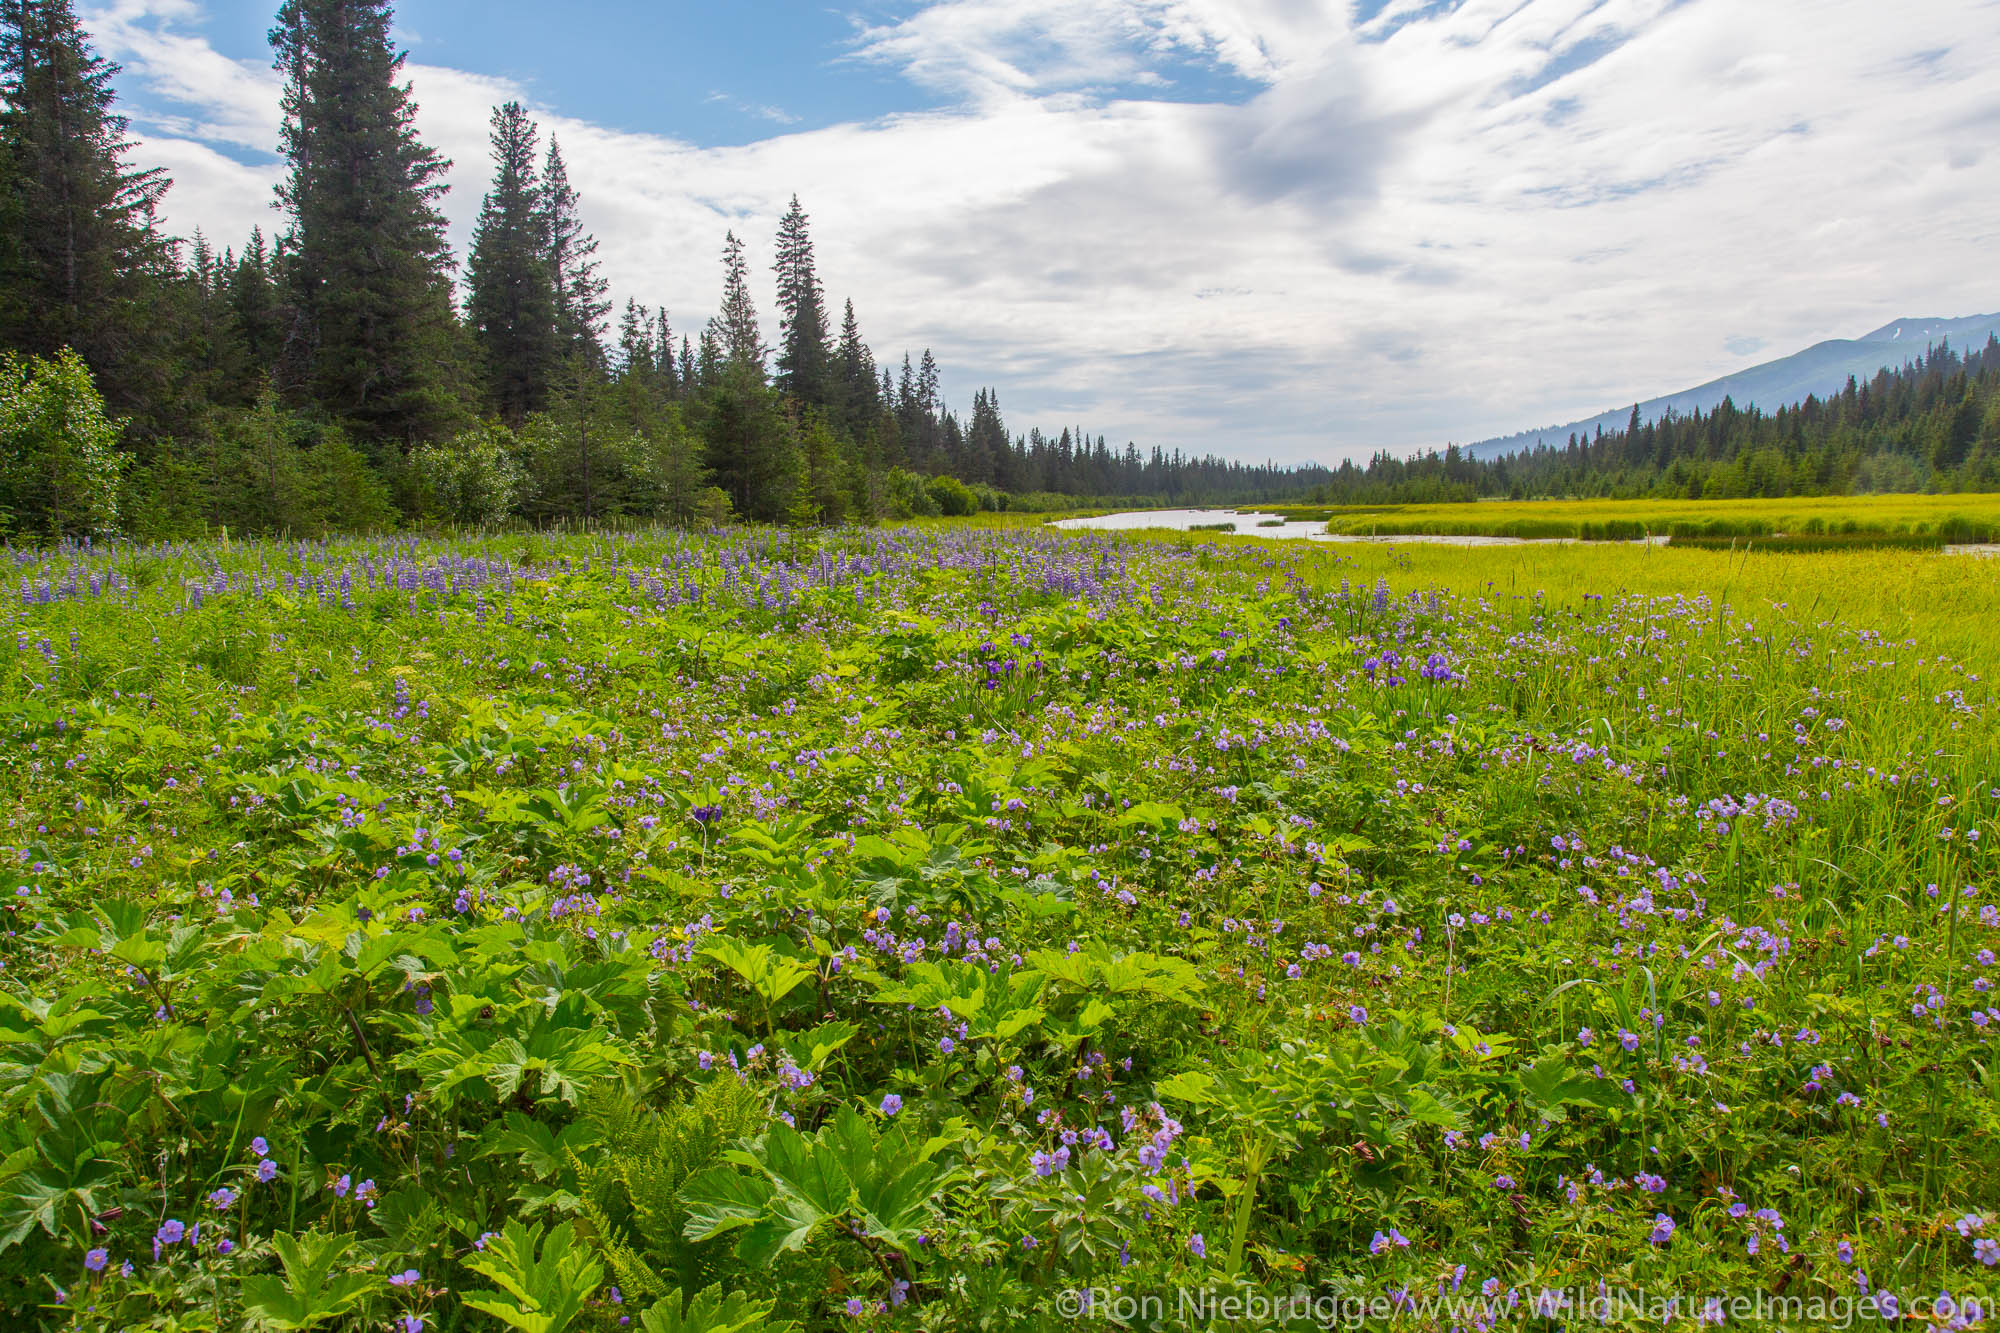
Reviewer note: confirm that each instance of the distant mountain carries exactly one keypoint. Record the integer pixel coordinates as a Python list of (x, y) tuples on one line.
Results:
[(1821, 369)]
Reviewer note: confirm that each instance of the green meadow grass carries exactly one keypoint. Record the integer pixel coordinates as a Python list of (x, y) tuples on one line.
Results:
[(916, 929)]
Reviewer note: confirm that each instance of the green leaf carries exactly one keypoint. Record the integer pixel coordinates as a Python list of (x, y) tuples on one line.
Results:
[(770, 975), (709, 1311), (311, 1292), (544, 1281), (885, 1183), (722, 1199), (810, 1050), (1191, 1086)]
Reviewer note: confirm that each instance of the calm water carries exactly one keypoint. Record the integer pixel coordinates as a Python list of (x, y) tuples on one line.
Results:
[(1247, 525)]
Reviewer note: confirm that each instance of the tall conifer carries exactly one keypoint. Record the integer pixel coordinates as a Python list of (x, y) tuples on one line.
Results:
[(77, 241), (804, 362), (373, 339), (511, 295), (734, 328), (581, 303)]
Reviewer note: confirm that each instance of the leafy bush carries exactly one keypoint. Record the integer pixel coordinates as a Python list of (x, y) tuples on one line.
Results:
[(908, 496), (953, 497), (475, 478), (59, 461)]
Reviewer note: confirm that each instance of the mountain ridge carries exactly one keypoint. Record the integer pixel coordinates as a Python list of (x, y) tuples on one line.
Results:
[(1820, 369)]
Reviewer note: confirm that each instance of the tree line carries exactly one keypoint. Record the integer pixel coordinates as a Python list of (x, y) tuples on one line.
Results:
[(344, 373), (1931, 424)]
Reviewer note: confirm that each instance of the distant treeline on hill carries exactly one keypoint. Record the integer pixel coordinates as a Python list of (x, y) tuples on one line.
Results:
[(1931, 425), (338, 375)]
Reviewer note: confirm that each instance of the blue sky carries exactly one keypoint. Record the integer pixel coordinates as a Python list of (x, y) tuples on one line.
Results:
[(717, 74), (1298, 229)]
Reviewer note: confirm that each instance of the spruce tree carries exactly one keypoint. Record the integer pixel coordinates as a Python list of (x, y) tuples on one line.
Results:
[(804, 364), (751, 449), (581, 304), (212, 352), (854, 368), (511, 294), (578, 452), (79, 254), (987, 455), (253, 302), (663, 343), (734, 329), (635, 344), (373, 338)]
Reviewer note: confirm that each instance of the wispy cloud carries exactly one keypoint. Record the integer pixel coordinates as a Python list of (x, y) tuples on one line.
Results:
[(777, 115), (1421, 220)]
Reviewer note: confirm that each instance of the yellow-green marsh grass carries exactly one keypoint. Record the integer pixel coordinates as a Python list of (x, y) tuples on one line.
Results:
[(1957, 518), (1944, 601)]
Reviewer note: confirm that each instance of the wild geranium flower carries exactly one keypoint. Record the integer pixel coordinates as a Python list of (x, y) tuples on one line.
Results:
[(222, 1198), (891, 1104), (406, 1278), (410, 1323), (259, 1148), (1382, 1243), (96, 1260), (1663, 1229), (1357, 1015), (1197, 1246), (267, 1171), (1986, 1251)]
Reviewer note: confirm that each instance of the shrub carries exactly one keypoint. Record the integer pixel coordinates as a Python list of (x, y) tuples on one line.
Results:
[(907, 495), (473, 478), (59, 463), (954, 498)]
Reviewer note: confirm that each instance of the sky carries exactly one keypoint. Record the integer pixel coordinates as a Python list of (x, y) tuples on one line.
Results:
[(1297, 230)]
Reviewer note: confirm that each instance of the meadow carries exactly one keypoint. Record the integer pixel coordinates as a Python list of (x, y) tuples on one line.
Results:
[(967, 926), (1949, 518)]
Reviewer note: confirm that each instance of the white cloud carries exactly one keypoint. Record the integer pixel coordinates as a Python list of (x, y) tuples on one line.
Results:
[(1431, 225)]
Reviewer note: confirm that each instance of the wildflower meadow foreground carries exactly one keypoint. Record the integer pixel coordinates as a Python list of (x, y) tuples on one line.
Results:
[(950, 928)]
